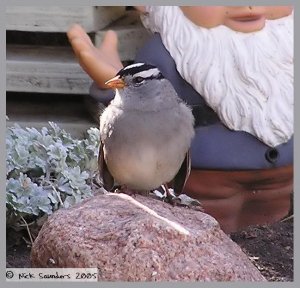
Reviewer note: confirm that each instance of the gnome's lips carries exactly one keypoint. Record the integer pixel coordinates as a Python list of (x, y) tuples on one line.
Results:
[(247, 22), (247, 18)]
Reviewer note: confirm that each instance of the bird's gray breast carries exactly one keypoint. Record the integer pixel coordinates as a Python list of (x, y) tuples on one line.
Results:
[(144, 149)]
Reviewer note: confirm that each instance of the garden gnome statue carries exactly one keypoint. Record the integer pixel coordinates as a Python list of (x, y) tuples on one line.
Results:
[(234, 66)]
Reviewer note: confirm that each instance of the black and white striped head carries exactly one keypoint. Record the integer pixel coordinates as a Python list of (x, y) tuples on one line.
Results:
[(134, 76)]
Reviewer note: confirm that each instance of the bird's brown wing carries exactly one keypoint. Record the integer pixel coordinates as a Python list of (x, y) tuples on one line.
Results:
[(182, 174), (106, 178)]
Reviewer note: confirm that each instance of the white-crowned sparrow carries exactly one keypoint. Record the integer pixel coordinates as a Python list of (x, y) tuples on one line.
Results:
[(145, 132)]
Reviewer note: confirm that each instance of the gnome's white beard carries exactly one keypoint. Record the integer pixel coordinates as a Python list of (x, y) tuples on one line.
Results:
[(247, 78)]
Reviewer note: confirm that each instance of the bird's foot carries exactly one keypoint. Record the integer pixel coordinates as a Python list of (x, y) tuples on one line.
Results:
[(189, 202), (167, 195), (170, 197)]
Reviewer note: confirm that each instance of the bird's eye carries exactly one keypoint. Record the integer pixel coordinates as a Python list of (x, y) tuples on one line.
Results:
[(138, 80)]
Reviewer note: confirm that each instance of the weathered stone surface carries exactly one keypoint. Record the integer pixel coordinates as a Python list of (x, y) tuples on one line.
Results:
[(141, 239)]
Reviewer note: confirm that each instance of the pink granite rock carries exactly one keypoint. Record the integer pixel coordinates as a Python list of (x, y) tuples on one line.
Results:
[(140, 239)]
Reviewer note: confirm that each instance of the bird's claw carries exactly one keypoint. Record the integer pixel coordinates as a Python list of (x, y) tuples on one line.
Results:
[(189, 202), (182, 200), (173, 200)]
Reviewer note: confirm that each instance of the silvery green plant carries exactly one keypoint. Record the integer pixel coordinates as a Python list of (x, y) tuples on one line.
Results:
[(47, 170)]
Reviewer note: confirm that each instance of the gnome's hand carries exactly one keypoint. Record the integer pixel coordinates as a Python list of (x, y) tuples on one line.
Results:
[(101, 63)]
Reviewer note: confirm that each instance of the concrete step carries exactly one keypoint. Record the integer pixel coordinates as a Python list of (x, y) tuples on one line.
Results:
[(44, 69), (49, 69), (32, 110), (59, 19)]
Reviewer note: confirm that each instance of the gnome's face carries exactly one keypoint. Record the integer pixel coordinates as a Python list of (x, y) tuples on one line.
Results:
[(238, 18), (238, 58)]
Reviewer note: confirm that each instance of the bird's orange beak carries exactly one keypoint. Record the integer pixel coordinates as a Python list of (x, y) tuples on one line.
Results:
[(115, 82)]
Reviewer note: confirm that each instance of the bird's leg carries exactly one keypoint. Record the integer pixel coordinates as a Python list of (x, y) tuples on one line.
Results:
[(163, 193), (183, 200), (169, 197)]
